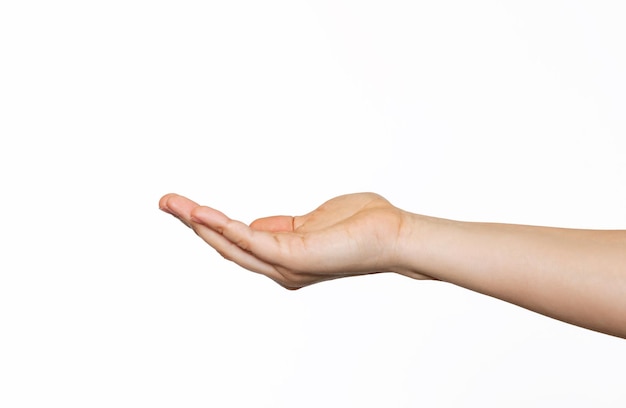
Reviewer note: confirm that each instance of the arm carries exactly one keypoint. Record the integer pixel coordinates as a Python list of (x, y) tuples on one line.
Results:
[(578, 276)]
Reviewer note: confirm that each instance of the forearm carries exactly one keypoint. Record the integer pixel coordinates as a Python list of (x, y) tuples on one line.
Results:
[(578, 276)]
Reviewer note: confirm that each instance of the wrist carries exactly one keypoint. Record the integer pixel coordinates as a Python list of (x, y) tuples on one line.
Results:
[(410, 244), (420, 242)]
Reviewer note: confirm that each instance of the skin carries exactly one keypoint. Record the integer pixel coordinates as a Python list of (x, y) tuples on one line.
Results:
[(577, 276)]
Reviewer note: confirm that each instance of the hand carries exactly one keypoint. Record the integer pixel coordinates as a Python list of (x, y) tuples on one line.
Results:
[(349, 235)]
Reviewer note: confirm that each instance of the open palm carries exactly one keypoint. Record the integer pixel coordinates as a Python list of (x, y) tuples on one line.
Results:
[(349, 235)]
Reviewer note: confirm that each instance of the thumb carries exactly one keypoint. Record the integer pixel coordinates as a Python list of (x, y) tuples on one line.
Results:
[(278, 223)]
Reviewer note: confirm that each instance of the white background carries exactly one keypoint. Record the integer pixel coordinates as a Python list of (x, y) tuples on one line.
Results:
[(468, 110)]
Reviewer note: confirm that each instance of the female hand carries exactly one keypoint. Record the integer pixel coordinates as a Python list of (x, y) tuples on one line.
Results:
[(349, 235)]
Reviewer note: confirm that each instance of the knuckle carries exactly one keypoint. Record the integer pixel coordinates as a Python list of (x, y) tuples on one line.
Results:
[(236, 236), (243, 244)]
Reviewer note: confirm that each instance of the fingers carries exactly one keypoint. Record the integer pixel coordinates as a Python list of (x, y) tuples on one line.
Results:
[(257, 238), (171, 201), (232, 252), (285, 251), (229, 232), (263, 248), (265, 245), (258, 251), (178, 206)]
